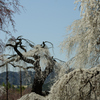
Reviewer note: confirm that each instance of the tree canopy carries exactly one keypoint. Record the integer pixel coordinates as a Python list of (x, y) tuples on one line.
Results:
[(84, 35), (8, 8), (38, 57)]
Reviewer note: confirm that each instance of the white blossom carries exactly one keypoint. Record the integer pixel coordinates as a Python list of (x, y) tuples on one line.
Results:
[(84, 33)]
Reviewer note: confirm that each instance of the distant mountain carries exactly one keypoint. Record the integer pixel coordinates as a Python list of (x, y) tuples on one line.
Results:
[(14, 77)]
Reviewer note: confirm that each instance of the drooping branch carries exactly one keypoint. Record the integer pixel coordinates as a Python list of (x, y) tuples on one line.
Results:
[(89, 78), (38, 52), (8, 61), (7, 10), (19, 53), (44, 44), (36, 63), (12, 56)]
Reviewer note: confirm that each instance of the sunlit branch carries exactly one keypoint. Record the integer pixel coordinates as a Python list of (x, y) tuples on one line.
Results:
[(21, 66), (8, 61)]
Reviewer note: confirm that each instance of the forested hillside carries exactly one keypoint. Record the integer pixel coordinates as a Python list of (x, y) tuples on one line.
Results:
[(14, 77)]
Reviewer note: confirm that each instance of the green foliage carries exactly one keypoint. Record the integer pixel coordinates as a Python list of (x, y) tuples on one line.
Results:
[(13, 87), (3, 84), (23, 88), (18, 89), (9, 85)]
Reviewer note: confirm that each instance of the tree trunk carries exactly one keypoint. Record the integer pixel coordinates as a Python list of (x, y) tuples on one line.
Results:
[(6, 81), (37, 85), (20, 83), (40, 77)]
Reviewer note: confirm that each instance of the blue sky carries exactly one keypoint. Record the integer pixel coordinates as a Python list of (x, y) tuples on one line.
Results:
[(46, 20)]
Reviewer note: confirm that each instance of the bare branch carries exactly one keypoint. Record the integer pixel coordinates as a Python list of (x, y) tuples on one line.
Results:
[(10, 45)]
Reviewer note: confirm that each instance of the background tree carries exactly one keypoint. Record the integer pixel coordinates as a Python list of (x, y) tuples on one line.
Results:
[(38, 57), (84, 36), (7, 10)]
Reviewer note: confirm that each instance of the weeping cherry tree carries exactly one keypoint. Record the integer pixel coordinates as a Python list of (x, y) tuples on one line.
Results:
[(38, 58), (84, 36)]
